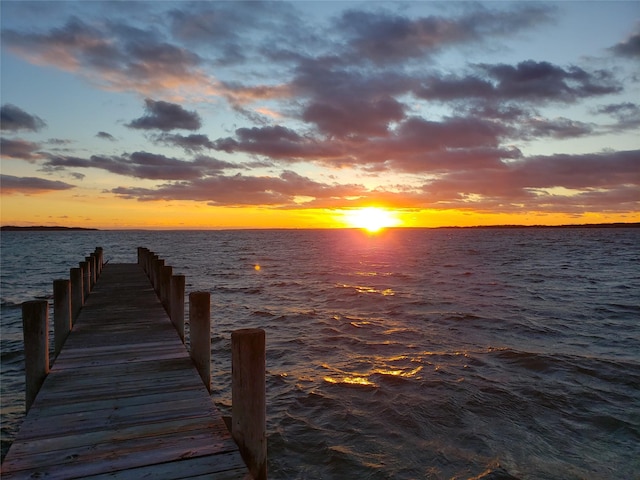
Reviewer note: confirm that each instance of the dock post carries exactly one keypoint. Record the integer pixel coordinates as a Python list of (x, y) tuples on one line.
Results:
[(91, 260), (248, 398), (155, 272), (35, 328), (61, 313), (100, 260), (200, 334), (177, 303), (86, 278), (77, 295), (147, 262), (165, 285)]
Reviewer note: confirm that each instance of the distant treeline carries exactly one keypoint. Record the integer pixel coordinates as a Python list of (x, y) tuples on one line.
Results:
[(582, 225), (11, 228)]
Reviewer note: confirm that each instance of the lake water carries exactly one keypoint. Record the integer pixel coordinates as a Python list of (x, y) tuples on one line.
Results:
[(408, 354)]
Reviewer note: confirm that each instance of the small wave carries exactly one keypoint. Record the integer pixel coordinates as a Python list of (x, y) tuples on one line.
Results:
[(532, 361), (9, 304)]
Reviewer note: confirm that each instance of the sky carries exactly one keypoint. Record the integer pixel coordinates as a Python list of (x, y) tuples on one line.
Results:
[(198, 115)]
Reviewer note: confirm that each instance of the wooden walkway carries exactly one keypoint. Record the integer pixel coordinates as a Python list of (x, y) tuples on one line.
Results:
[(123, 399)]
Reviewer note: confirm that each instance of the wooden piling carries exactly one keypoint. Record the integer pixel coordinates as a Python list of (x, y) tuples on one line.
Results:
[(165, 285), (248, 398), (35, 328), (86, 279), (99, 252), (94, 269), (157, 264), (61, 313), (177, 303), (147, 262), (141, 256), (77, 295), (200, 334)]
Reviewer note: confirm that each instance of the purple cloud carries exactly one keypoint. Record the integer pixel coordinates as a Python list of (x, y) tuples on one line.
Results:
[(166, 116), (106, 136), (20, 149), (384, 37), (190, 143), (14, 119), (143, 165), (110, 54), (239, 190), (10, 184)]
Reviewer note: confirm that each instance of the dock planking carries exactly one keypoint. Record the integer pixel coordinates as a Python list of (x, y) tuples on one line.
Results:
[(123, 399)]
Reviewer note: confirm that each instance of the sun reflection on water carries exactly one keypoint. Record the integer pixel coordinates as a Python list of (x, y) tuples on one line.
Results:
[(366, 378)]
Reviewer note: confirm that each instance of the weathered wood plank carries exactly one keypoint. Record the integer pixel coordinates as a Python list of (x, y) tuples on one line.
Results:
[(123, 400), (225, 467)]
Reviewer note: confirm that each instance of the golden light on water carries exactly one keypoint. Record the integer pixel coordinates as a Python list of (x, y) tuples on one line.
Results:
[(371, 219)]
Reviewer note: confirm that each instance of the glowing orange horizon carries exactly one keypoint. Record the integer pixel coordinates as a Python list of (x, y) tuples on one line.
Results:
[(85, 209)]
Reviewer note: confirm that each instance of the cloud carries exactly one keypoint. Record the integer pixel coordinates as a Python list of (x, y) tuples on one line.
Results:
[(560, 127), (243, 33), (190, 143), (240, 190), (142, 165), (166, 116), (106, 136), (629, 47), (111, 54), (14, 119), (576, 183), (627, 115), (279, 143), (20, 149), (385, 37), (58, 141), (10, 184), (528, 81), (558, 183), (416, 145), (355, 116)]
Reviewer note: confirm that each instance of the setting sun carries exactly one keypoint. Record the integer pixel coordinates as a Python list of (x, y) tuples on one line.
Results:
[(371, 219)]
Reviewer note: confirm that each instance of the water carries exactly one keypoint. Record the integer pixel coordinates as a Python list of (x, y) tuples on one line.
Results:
[(410, 354)]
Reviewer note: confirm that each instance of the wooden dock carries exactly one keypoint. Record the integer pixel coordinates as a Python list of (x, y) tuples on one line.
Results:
[(123, 399)]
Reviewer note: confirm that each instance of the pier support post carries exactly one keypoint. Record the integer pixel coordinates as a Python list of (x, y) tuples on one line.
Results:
[(165, 285), (158, 263), (77, 295), (35, 328), (91, 260), (177, 303), (61, 313), (147, 262), (200, 334), (141, 256), (248, 398), (86, 279), (99, 260)]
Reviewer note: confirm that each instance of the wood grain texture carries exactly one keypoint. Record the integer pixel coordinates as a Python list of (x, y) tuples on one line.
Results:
[(123, 399)]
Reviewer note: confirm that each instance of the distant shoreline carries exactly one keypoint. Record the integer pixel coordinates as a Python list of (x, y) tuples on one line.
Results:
[(577, 225), (12, 228)]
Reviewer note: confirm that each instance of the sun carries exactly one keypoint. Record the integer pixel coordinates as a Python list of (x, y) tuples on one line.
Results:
[(371, 219)]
